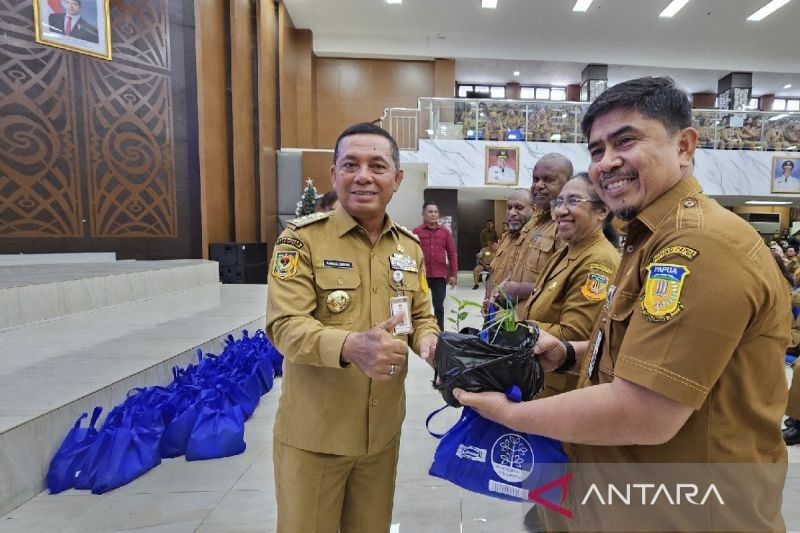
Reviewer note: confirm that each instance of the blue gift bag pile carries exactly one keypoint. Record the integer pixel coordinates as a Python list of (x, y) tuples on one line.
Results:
[(201, 415)]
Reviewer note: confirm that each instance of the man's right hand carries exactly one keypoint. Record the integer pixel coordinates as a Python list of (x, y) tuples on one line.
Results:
[(375, 351)]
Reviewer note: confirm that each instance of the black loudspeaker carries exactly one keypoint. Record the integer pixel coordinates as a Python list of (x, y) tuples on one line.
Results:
[(240, 262)]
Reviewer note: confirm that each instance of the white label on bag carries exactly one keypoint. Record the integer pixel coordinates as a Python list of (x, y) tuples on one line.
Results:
[(510, 490), (512, 457), (472, 453)]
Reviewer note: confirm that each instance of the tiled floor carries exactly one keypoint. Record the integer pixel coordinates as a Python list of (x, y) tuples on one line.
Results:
[(236, 494)]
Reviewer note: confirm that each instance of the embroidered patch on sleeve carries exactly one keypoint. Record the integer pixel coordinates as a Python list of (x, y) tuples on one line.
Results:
[(423, 283), (662, 291), (596, 286), (669, 251), (284, 265), (291, 241)]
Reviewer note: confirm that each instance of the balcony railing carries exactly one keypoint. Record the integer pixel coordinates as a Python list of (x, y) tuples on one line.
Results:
[(546, 121)]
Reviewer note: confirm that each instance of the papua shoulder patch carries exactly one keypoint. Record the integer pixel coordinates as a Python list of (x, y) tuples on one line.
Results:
[(669, 251), (284, 265), (291, 241), (596, 286), (662, 291)]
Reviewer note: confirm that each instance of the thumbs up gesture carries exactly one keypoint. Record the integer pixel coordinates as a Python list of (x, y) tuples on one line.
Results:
[(376, 352)]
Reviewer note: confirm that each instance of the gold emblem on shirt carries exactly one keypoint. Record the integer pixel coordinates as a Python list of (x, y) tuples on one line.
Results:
[(662, 291), (596, 287), (337, 301), (284, 265)]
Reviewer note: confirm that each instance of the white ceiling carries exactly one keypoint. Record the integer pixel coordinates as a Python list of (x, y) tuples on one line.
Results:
[(550, 44)]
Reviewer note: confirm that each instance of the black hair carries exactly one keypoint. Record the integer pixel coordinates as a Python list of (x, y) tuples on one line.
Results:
[(366, 128), (327, 200), (426, 204), (657, 98), (608, 229)]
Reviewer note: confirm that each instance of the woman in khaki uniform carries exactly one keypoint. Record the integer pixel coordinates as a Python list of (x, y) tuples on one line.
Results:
[(572, 288)]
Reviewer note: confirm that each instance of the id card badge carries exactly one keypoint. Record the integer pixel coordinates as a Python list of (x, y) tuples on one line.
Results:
[(598, 345), (399, 306)]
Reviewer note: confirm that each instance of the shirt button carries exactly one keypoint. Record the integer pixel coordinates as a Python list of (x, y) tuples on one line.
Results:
[(689, 203), (374, 402), (375, 289), (340, 281), (630, 249)]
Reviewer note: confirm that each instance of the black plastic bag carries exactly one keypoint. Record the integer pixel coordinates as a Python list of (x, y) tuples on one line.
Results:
[(465, 361)]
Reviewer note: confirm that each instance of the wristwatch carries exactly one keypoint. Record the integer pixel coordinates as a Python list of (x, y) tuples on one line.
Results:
[(569, 361)]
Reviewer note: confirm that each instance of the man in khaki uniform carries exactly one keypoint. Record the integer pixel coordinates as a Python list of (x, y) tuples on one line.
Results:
[(508, 262), (484, 259), (550, 174), (791, 433), (686, 364), (337, 427)]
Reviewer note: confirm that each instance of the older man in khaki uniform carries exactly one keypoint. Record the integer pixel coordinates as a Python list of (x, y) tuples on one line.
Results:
[(686, 364), (550, 174), (508, 262), (344, 284)]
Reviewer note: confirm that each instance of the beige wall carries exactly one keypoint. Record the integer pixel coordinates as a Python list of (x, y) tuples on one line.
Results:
[(784, 211), (358, 90)]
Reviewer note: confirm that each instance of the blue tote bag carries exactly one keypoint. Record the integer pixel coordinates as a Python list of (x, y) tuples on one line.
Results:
[(490, 459), (68, 461), (218, 430)]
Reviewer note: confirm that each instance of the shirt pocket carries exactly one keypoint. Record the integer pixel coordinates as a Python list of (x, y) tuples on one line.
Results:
[(619, 316), (337, 288), (545, 245)]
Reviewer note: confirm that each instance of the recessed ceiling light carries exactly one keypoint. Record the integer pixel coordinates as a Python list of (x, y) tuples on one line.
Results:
[(581, 5), (765, 202), (768, 9), (672, 8), (489, 4), (516, 73), (394, 1), (787, 86)]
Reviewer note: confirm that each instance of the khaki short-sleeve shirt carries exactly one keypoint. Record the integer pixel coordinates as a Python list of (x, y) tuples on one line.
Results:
[(327, 279), (569, 296), (698, 312)]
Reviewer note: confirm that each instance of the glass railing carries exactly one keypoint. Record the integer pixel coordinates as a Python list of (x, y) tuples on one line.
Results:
[(547, 121)]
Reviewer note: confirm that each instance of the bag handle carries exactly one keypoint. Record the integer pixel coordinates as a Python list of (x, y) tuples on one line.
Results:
[(430, 417), (95, 416)]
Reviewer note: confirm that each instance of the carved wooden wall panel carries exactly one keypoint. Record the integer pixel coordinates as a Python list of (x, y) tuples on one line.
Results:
[(39, 189), (87, 146)]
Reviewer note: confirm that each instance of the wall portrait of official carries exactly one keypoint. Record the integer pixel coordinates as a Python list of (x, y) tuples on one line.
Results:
[(502, 166), (81, 26), (785, 175)]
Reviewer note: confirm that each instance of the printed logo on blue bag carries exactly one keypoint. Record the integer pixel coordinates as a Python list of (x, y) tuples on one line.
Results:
[(512, 458), (473, 453)]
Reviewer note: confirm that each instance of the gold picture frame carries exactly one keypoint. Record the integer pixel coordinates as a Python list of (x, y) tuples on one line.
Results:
[(502, 166), (81, 26), (785, 178)]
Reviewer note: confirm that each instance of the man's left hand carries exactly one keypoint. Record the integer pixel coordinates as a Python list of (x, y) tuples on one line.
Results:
[(427, 348), (451, 281)]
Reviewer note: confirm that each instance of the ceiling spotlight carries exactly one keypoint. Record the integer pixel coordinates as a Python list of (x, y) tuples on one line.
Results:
[(672, 8), (768, 9), (767, 202), (489, 4), (787, 86), (581, 5), (394, 1), (516, 73)]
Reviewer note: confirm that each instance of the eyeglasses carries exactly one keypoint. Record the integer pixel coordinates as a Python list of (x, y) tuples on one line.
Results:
[(570, 202)]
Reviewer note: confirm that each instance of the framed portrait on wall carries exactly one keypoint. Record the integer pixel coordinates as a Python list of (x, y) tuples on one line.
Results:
[(78, 25), (786, 174), (502, 166)]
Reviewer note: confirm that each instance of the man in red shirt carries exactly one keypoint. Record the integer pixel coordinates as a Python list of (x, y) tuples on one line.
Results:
[(441, 264)]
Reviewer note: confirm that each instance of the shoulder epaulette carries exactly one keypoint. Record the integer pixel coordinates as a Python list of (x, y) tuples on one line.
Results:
[(299, 222), (403, 229)]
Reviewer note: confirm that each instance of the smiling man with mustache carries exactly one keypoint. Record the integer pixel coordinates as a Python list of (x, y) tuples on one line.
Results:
[(685, 364), (331, 311)]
